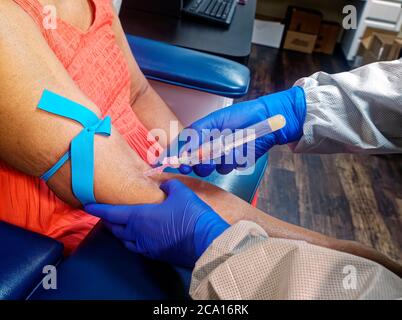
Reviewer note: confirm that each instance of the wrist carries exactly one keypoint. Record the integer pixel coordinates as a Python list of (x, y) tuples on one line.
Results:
[(291, 104), (209, 226)]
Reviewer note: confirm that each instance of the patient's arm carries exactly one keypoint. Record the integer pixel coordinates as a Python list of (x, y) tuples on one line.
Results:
[(32, 140), (233, 209), (145, 102)]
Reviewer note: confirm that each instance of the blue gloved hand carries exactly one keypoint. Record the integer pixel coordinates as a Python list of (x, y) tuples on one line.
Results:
[(290, 103), (176, 231)]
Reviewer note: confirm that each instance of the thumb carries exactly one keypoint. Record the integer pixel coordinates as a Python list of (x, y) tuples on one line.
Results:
[(111, 213), (268, 141), (185, 169), (171, 186)]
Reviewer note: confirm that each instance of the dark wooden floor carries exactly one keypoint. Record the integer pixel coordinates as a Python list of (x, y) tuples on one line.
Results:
[(345, 196)]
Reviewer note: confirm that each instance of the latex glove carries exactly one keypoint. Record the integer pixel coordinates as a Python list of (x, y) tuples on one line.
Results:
[(176, 231), (290, 103)]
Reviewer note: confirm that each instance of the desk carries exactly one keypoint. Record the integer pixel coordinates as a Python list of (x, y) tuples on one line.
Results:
[(232, 43)]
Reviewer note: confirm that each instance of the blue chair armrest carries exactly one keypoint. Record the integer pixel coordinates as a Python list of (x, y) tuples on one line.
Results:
[(102, 269), (188, 68), (23, 254)]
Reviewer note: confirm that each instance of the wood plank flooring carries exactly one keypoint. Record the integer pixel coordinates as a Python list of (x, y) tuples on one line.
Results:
[(346, 196)]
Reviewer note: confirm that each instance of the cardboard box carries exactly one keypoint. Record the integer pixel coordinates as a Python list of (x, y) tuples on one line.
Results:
[(396, 50), (366, 42), (327, 37), (367, 57), (364, 55), (372, 49), (299, 41), (302, 26), (303, 20), (381, 45), (370, 31)]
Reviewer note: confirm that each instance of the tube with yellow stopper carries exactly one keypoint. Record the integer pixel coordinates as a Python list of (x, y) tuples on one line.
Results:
[(221, 146)]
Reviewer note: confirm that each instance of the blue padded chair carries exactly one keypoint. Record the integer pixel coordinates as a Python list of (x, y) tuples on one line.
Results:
[(102, 268), (23, 255)]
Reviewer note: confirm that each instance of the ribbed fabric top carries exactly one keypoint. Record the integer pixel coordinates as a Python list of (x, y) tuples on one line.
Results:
[(97, 65)]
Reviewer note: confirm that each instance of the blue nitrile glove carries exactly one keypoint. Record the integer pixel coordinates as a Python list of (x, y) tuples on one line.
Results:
[(177, 231), (290, 103)]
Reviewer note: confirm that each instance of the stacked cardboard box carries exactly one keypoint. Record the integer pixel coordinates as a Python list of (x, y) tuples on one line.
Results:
[(302, 28), (327, 37), (306, 32), (396, 50), (378, 46)]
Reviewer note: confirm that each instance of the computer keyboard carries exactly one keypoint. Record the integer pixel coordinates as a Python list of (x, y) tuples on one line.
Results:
[(218, 11)]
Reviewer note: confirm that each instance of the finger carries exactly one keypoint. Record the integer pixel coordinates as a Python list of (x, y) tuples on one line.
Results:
[(267, 142), (185, 169), (224, 169), (204, 170), (111, 213), (118, 230), (131, 245), (227, 163)]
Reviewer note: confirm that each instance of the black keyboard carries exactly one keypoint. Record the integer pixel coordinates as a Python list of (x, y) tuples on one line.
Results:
[(217, 11)]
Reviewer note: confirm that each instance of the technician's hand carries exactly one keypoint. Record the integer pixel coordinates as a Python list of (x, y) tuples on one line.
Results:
[(290, 103), (176, 231)]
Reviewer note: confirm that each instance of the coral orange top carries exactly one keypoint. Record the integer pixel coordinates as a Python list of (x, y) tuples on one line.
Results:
[(97, 65)]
